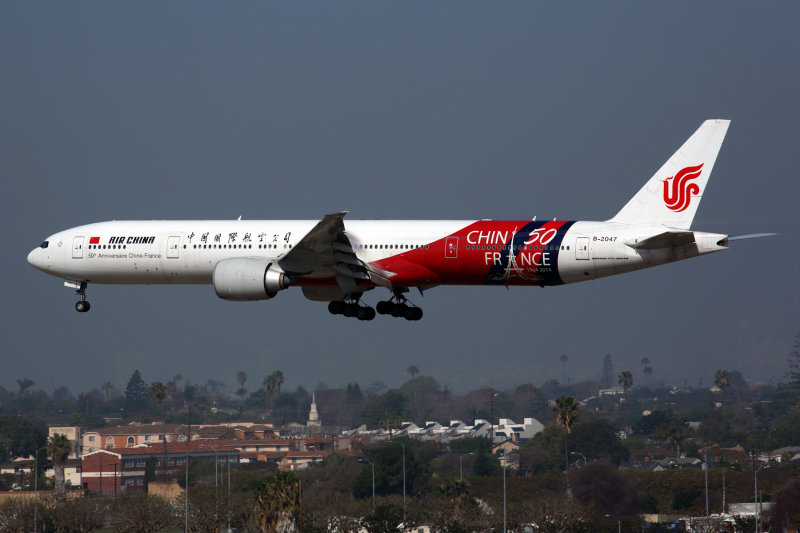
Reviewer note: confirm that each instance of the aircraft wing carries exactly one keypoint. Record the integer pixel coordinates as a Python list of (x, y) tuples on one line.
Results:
[(326, 251)]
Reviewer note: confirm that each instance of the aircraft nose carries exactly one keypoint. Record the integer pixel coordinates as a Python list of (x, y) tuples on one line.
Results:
[(35, 258)]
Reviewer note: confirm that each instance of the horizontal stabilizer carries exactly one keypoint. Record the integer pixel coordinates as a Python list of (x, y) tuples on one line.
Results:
[(667, 239)]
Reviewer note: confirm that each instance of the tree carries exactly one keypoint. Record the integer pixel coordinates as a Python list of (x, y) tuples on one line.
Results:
[(413, 370), (567, 414), (673, 434), (604, 486), (20, 437), (158, 392), (241, 377), (626, 380), (107, 388), (141, 512), (722, 379), (25, 384), (598, 441), (388, 461), (786, 513), (385, 519), (484, 463), (136, 393), (645, 361), (272, 388), (277, 503), (58, 448)]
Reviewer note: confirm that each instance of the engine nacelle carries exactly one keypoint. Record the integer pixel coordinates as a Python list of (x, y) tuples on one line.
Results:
[(247, 278)]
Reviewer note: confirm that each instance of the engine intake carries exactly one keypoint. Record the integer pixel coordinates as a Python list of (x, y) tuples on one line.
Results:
[(247, 279)]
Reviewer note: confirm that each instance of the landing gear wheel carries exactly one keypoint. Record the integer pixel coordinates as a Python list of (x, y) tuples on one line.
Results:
[(336, 308), (384, 308), (350, 310), (413, 313), (82, 306), (398, 310), (365, 313)]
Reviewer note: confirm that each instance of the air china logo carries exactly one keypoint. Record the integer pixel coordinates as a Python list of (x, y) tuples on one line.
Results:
[(679, 196)]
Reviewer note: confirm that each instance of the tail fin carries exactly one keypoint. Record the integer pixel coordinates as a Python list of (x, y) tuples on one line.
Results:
[(673, 193)]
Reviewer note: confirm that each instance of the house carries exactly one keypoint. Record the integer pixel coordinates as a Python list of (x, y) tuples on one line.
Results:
[(132, 435), (73, 434)]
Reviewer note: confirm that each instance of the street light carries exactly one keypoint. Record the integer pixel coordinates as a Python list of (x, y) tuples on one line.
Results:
[(504, 492), (362, 460), (619, 524), (404, 482), (755, 490), (579, 453), (461, 466)]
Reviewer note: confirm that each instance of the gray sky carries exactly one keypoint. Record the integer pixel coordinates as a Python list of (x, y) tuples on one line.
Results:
[(396, 110)]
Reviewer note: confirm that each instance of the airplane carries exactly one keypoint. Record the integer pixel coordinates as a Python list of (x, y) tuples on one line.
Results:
[(337, 261)]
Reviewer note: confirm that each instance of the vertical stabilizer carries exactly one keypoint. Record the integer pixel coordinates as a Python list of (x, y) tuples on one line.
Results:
[(673, 193)]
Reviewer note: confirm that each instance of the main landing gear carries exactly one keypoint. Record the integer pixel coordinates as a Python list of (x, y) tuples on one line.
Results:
[(351, 308), (82, 305), (399, 308)]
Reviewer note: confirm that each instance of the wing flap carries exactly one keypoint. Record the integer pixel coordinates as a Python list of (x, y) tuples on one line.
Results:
[(326, 251)]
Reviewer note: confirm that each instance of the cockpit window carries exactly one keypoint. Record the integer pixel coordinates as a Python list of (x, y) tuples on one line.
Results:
[(45, 244)]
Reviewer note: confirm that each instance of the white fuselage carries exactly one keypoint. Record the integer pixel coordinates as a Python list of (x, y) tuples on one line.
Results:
[(151, 252)]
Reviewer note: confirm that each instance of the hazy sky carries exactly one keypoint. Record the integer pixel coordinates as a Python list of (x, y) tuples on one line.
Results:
[(460, 110)]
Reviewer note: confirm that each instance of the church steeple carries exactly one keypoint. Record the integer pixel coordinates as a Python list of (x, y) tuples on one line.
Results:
[(313, 415)]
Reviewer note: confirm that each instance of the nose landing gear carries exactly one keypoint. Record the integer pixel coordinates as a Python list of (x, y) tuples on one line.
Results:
[(81, 305)]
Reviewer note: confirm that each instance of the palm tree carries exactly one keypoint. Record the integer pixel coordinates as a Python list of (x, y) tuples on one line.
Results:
[(25, 384), (413, 370), (272, 387), (567, 414), (645, 361), (648, 371), (58, 448), (158, 392), (674, 434), (626, 380)]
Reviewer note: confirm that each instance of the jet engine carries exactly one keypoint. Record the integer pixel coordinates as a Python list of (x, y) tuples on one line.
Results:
[(246, 279)]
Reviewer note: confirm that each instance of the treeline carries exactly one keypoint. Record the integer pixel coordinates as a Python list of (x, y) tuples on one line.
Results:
[(764, 418)]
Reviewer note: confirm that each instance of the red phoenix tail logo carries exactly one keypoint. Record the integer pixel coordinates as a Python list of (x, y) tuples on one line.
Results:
[(678, 191)]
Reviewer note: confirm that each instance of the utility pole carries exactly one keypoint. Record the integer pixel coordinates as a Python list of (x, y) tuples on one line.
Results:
[(724, 507), (404, 482), (705, 467)]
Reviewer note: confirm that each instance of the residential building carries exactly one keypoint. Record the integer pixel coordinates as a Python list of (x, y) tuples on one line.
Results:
[(110, 471)]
